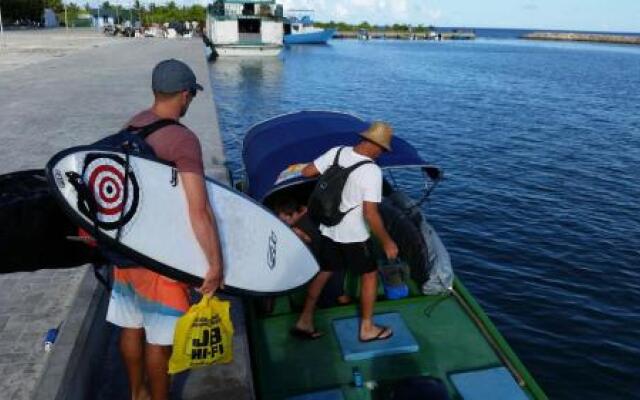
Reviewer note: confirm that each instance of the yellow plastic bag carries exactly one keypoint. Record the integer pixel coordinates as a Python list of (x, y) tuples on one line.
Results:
[(203, 336)]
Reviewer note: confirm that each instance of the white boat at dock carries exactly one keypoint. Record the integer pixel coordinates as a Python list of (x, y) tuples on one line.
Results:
[(245, 28)]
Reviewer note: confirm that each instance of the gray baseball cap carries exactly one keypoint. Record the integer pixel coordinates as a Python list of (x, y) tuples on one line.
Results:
[(172, 76)]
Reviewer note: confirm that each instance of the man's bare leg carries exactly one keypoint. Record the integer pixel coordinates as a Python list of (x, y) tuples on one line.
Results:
[(157, 366), (305, 322), (368, 292), (132, 350)]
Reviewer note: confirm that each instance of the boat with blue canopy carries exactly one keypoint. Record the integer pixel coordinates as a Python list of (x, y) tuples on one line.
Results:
[(442, 340), (271, 147)]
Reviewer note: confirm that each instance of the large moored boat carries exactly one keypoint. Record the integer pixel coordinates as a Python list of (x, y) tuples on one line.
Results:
[(245, 27)]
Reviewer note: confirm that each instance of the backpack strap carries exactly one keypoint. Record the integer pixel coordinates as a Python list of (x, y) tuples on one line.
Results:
[(354, 166), (348, 171), (145, 131), (337, 157), (358, 164)]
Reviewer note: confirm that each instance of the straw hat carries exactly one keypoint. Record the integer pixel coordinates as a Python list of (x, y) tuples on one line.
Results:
[(379, 133)]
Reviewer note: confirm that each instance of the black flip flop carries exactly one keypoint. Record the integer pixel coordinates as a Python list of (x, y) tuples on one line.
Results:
[(379, 336), (305, 335)]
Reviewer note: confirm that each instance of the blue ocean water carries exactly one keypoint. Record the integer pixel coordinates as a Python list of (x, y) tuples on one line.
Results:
[(541, 147)]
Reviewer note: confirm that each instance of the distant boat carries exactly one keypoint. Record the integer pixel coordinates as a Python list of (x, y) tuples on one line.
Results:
[(245, 28), (300, 30), (363, 34)]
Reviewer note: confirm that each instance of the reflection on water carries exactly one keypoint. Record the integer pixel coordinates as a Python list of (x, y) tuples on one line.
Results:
[(244, 72), (238, 84)]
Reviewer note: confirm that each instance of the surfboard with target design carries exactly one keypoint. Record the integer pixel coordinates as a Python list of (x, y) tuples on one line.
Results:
[(143, 214)]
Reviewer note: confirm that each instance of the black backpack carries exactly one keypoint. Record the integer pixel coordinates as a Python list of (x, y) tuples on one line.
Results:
[(130, 141), (324, 202)]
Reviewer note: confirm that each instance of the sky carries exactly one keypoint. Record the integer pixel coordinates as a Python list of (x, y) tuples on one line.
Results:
[(589, 15)]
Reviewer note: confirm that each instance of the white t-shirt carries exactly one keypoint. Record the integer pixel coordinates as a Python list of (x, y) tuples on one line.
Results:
[(363, 184)]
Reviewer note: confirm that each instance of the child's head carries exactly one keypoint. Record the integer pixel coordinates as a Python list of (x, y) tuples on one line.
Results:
[(289, 210)]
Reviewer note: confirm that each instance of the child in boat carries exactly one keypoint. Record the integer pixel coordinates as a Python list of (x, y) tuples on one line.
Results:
[(295, 215)]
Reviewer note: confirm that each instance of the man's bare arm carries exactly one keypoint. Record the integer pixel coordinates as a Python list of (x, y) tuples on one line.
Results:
[(310, 171), (373, 218), (204, 226)]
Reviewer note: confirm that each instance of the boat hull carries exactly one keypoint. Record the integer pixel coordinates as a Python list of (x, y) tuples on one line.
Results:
[(321, 37), (266, 50)]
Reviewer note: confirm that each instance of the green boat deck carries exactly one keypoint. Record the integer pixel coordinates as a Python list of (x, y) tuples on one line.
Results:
[(449, 340)]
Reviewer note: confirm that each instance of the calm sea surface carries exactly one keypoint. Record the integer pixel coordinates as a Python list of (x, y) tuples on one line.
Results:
[(541, 147)]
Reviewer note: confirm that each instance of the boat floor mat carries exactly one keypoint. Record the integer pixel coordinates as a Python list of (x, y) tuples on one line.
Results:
[(334, 394), (494, 383), (347, 331)]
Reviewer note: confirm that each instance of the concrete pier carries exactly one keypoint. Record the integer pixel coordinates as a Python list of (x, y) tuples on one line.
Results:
[(53, 100), (583, 37), (404, 35)]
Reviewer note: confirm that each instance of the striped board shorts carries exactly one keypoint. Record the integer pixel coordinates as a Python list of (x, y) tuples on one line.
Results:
[(143, 299)]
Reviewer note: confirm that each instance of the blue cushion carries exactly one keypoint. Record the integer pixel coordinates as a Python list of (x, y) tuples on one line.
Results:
[(493, 383), (396, 292), (347, 332), (335, 394)]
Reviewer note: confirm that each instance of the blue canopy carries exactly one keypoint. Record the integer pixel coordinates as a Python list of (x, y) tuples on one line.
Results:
[(273, 148)]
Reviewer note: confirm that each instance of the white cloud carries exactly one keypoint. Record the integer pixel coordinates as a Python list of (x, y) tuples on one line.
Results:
[(375, 11)]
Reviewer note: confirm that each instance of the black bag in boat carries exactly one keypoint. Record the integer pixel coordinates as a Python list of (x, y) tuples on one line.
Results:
[(418, 243), (403, 227), (34, 231)]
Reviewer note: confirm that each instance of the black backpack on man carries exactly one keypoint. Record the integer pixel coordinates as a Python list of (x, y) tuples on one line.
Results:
[(324, 202)]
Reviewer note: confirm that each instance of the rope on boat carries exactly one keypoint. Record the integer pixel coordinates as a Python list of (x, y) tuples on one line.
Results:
[(490, 339)]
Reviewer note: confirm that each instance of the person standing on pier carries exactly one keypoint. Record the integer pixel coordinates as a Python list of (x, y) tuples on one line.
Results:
[(345, 245), (144, 303)]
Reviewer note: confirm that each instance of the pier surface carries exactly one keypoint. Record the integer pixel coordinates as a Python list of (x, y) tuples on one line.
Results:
[(583, 37), (21, 48), (61, 89)]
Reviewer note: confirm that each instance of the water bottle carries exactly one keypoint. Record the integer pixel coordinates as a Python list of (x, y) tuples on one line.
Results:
[(50, 339), (357, 377)]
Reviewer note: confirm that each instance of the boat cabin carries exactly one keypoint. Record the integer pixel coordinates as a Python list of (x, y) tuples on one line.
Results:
[(245, 23)]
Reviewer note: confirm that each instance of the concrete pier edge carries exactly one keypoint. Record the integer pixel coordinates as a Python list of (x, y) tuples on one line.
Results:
[(67, 372), (84, 332)]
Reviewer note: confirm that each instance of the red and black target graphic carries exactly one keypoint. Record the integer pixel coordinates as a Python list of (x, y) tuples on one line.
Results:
[(115, 205)]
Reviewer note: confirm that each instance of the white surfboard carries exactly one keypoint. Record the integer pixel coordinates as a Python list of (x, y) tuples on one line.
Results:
[(261, 253)]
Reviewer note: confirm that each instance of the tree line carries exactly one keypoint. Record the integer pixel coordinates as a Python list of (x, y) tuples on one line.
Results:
[(32, 10), (345, 27)]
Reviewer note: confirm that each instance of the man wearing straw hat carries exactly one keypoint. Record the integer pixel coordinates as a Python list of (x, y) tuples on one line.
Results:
[(345, 245)]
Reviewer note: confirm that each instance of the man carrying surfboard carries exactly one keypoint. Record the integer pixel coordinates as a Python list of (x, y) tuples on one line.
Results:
[(345, 233), (144, 303)]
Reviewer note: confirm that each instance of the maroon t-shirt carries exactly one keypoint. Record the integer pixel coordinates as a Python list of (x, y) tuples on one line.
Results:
[(173, 143)]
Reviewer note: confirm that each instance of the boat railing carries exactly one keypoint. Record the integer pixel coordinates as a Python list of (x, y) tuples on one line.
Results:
[(228, 17), (249, 37)]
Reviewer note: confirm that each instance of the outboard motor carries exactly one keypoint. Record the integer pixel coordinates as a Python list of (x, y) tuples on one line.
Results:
[(418, 243)]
